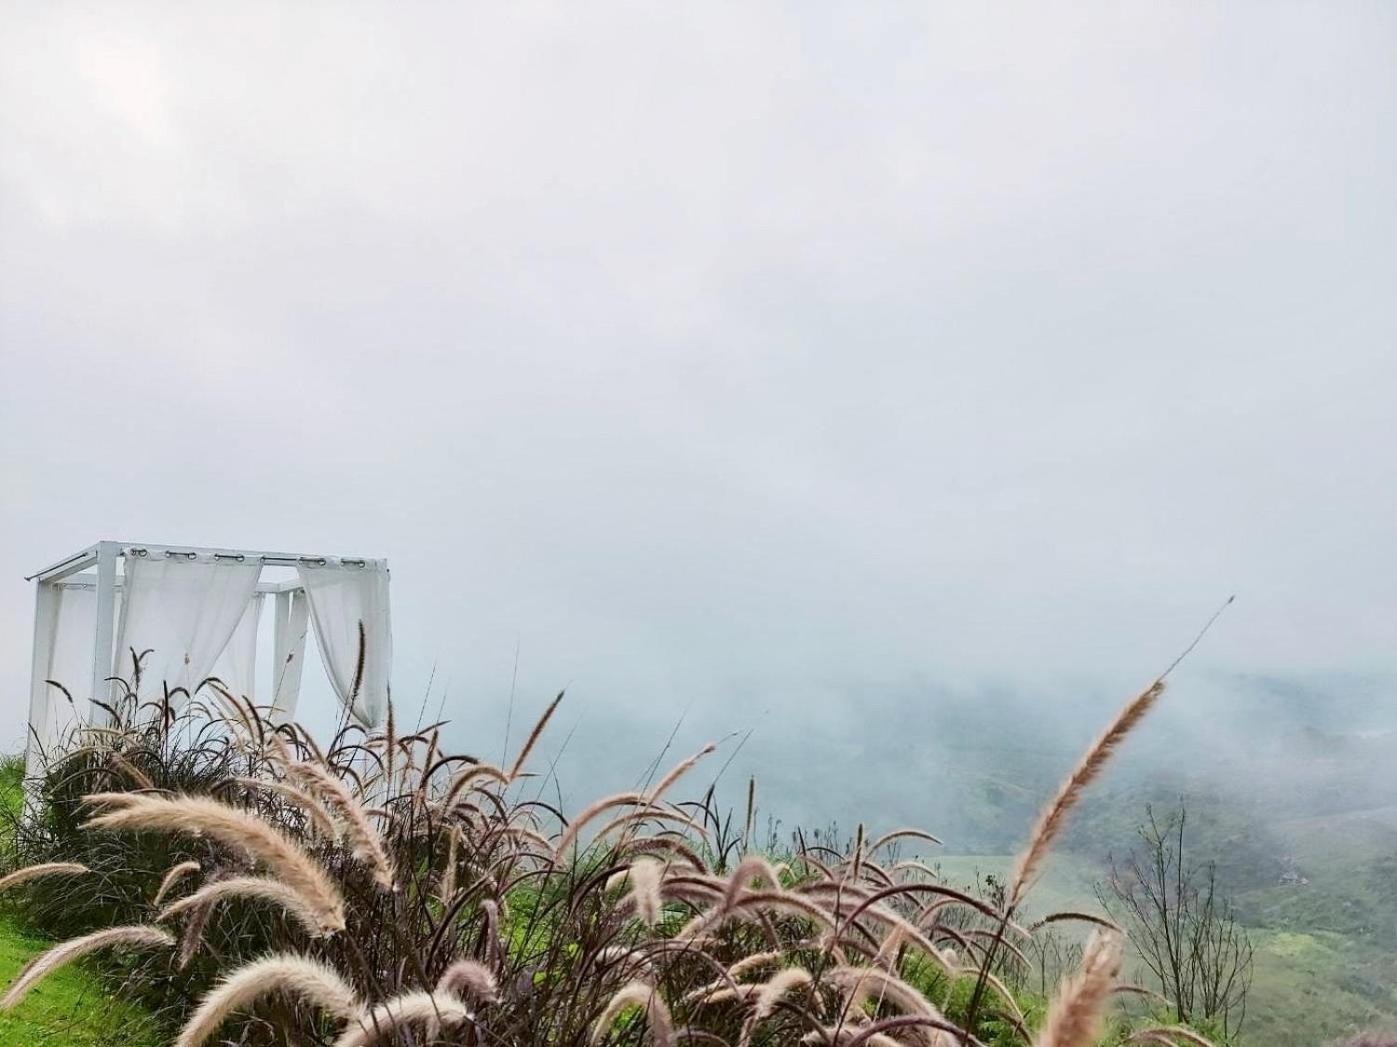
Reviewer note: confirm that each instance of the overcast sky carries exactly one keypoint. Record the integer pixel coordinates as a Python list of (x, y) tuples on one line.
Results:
[(715, 352)]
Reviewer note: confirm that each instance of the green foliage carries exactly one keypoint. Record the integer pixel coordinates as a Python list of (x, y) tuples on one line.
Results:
[(952, 995), (11, 784)]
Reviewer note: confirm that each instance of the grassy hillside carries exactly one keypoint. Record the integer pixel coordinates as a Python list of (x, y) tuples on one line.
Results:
[(1310, 983), (1311, 986), (1327, 955), (1326, 947), (1282, 780)]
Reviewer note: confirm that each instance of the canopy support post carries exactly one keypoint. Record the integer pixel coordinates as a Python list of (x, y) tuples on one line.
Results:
[(107, 553), (45, 610)]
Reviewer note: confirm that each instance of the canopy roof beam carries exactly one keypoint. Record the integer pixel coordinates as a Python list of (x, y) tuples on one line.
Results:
[(86, 558), (69, 565)]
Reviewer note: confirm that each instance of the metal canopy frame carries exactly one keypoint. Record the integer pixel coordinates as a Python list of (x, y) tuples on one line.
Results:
[(105, 555)]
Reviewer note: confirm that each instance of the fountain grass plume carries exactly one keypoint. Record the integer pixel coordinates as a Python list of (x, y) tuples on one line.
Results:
[(33, 872), (296, 977), (643, 995), (335, 797), (469, 978), (424, 1010), (172, 877), (1075, 1016), (232, 827), (1054, 816), (262, 887), (534, 735)]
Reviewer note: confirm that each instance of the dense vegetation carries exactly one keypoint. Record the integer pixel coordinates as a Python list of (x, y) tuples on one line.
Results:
[(246, 883)]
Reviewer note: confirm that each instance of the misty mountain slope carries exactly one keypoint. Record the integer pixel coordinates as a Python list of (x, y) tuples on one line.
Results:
[(1348, 865), (1290, 788), (1308, 988)]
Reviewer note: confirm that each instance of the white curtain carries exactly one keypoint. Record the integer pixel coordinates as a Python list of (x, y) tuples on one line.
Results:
[(289, 652), (341, 597), (237, 665), (184, 612), (63, 645)]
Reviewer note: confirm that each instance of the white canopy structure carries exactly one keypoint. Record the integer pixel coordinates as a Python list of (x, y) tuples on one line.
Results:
[(192, 613)]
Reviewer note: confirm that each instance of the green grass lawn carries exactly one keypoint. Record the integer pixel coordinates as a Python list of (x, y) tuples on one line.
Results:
[(69, 1008)]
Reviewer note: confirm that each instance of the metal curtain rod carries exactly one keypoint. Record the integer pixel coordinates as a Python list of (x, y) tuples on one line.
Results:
[(314, 561), (60, 563)]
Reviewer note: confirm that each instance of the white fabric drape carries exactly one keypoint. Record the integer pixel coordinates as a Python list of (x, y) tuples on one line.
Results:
[(237, 665), (184, 612), (63, 644), (289, 653), (341, 597)]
